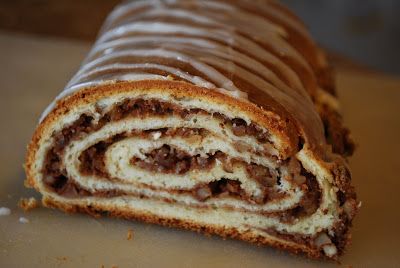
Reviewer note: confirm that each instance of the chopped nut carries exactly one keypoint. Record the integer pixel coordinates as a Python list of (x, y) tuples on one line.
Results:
[(239, 130), (323, 241), (62, 258), (28, 203), (227, 165), (350, 208), (203, 193), (299, 179), (193, 139), (242, 147), (129, 236), (156, 135), (330, 250)]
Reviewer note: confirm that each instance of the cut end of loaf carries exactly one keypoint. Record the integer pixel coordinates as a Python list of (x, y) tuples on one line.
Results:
[(231, 164)]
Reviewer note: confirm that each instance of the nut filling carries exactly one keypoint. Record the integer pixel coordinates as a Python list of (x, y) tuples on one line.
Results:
[(168, 159)]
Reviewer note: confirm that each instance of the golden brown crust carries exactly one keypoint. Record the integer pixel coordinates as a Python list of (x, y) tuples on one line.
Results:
[(98, 211)]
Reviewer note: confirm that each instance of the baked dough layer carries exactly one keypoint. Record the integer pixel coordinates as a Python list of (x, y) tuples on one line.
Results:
[(197, 120)]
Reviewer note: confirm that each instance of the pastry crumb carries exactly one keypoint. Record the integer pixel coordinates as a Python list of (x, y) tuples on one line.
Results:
[(28, 204), (63, 258), (23, 220), (5, 211), (129, 236), (156, 135)]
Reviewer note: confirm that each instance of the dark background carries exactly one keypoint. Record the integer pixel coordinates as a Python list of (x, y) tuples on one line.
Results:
[(365, 31)]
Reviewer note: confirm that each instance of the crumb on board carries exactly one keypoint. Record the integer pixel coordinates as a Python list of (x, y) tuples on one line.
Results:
[(63, 258), (129, 235), (28, 203), (23, 220), (113, 266), (5, 211)]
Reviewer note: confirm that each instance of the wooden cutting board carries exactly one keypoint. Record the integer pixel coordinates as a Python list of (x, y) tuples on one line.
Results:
[(33, 70)]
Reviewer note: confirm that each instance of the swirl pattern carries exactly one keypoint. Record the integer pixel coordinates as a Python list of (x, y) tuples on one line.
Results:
[(217, 116)]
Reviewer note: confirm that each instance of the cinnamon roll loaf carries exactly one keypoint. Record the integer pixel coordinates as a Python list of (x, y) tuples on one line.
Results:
[(217, 116)]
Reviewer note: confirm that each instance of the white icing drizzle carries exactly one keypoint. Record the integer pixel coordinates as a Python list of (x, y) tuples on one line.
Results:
[(252, 24), (290, 100), (139, 77), (204, 47), (66, 92), (219, 36), (222, 35), (265, 7), (176, 13), (193, 79), (78, 86), (256, 52), (217, 18), (277, 44), (159, 7), (236, 57), (209, 71)]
